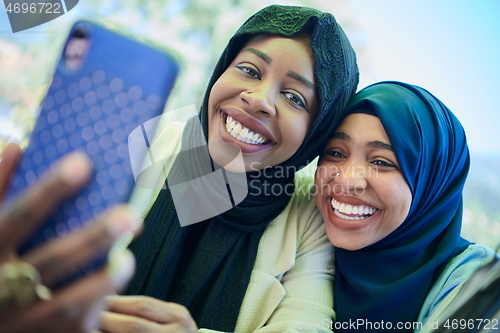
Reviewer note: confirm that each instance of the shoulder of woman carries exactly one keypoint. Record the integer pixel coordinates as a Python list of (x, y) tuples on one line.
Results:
[(298, 227), (304, 189), (303, 218), (460, 268), (302, 203), (452, 279)]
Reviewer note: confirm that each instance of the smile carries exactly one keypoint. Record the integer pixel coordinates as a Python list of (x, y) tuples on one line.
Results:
[(352, 212), (244, 134)]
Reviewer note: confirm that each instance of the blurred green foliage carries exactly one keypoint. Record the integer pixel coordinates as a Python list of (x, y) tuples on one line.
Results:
[(481, 222)]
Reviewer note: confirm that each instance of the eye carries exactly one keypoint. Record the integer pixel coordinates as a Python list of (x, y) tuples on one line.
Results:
[(249, 71), (295, 99), (384, 164), (334, 154)]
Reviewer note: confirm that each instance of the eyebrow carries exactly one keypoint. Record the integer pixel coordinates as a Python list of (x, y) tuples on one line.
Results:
[(267, 59), (341, 136), (380, 144), (371, 144), (259, 54), (301, 79)]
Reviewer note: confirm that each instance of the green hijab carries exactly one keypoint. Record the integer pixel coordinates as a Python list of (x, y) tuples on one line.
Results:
[(207, 266)]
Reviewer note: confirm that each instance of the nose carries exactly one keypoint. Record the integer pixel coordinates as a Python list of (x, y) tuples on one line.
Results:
[(260, 100), (352, 177)]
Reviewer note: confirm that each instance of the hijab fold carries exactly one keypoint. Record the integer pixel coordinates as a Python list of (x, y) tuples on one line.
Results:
[(207, 266), (388, 281)]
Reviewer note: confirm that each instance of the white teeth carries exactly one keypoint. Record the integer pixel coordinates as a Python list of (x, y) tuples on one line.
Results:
[(345, 217), (242, 133), (237, 128), (343, 210)]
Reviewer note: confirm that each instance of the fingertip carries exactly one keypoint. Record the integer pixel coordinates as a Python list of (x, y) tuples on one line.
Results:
[(11, 151), (109, 301), (111, 298), (121, 267), (75, 168), (13, 146), (121, 219), (9, 160)]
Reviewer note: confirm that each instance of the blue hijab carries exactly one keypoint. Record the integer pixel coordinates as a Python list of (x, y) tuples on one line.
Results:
[(389, 280)]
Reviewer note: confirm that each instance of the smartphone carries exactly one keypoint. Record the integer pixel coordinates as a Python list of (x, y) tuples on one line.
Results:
[(105, 86)]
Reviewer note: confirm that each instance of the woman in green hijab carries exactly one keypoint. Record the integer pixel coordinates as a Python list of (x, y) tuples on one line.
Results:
[(275, 95)]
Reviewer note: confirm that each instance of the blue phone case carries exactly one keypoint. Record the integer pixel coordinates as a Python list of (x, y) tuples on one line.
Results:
[(121, 84)]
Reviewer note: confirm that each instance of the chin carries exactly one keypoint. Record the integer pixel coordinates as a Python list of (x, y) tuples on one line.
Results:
[(229, 157), (344, 240)]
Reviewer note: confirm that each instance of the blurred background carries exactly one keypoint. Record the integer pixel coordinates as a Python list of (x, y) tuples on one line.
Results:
[(449, 47)]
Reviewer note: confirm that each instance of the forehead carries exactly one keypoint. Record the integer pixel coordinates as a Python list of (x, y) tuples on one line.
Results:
[(292, 48), (301, 38), (363, 127)]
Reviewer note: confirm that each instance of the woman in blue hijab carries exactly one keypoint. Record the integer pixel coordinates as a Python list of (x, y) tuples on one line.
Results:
[(390, 186)]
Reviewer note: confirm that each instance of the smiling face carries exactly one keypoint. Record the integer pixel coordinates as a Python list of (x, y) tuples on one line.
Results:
[(264, 103), (370, 198)]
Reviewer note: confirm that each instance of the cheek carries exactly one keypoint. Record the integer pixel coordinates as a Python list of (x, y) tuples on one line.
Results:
[(222, 89), (403, 195), (320, 176), (406, 200), (294, 131), (214, 96), (319, 183), (398, 200)]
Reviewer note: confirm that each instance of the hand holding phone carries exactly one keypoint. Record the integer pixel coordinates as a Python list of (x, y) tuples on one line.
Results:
[(105, 86), (58, 256)]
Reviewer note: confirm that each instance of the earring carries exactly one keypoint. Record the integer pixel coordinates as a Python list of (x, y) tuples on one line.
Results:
[(338, 174)]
